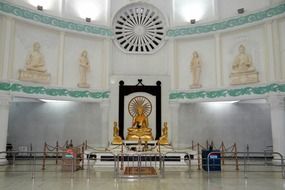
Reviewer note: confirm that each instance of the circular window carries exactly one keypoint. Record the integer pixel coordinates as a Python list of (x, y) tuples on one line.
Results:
[(139, 28)]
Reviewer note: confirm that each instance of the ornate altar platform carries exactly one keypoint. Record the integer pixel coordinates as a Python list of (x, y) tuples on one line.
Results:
[(131, 151)]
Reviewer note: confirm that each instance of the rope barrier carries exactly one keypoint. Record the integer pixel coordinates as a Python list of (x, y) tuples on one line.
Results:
[(57, 149)]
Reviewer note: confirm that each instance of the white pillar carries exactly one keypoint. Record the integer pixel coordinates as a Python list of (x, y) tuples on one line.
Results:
[(8, 47), (173, 128), (218, 61), (60, 71), (106, 127), (4, 115), (277, 105)]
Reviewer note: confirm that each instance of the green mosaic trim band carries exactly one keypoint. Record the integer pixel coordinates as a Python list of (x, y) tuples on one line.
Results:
[(255, 17), (53, 21), (55, 92), (101, 31), (246, 91)]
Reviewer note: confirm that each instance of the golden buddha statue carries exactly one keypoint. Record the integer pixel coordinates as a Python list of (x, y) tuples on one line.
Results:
[(139, 128), (116, 138), (164, 138)]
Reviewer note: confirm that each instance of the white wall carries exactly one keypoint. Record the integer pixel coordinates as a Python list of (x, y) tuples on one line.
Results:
[(36, 122), (206, 50), (51, 6), (97, 10), (229, 8), (74, 45), (185, 10), (282, 45), (130, 64), (253, 40), (241, 123), (165, 6), (61, 51), (1, 45), (25, 35)]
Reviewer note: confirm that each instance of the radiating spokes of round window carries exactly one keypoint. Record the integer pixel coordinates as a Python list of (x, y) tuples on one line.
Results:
[(139, 28)]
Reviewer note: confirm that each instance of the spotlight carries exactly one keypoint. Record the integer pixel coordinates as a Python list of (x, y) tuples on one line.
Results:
[(192, 21), (87, 19), (240, 11), (39, 7)]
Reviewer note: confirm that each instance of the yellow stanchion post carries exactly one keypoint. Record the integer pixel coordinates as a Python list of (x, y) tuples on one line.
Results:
[(44, 157), (56, 157), (235, 155), (223, 153), (198, 152), (122, 157), (82, 155)]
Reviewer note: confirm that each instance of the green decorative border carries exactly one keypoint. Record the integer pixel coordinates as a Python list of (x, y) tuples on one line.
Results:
[(61, 23), (255, 17), (53, 21), (54, 92), (173, 96), (246, 91)]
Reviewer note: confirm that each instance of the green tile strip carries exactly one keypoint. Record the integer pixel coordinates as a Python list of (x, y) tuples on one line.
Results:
[(27, 14), (230, 23), (53, 92), (35, 16), (246, 91), (173, 96)]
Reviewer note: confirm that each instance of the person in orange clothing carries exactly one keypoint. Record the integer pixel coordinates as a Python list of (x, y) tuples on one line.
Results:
[(70, 152)]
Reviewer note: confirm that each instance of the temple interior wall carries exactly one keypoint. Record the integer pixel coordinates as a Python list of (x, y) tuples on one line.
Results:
[(38, 122), (241, 123), (264, 41)]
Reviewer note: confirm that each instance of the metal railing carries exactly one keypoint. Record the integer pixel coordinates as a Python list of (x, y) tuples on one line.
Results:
[(246, 156), (90, 155), (140, 160), (186, 158), (139, 164), (31, 159)]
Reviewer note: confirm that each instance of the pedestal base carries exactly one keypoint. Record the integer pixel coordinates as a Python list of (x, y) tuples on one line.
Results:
[(163, 141), (117, 140), (137, 138), (34, 76), (193, 86), (244, 77), (83, 85)]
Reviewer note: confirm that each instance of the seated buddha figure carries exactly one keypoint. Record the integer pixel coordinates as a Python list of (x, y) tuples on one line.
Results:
[(35, 60), (242, 62), (164, 137), (139, 129)]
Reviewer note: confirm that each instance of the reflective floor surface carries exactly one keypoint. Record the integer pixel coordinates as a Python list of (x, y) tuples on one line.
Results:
[(13, 178)]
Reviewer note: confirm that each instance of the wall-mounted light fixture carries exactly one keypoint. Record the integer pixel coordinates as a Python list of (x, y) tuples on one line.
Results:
[(39, 7), (240, 11), (193, 21), (87, 19)]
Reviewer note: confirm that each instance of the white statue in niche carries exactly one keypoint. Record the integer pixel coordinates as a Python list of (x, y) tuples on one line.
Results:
[(35, 67), (242, 62), (243, 71), (84, 67), (196, 70), (35, 61)]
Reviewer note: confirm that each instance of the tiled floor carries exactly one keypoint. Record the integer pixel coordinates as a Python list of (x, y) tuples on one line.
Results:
[(13, 178)]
